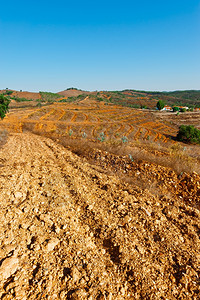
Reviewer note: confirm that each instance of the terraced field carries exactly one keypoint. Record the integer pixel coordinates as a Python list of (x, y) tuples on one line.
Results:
[(91, 121)]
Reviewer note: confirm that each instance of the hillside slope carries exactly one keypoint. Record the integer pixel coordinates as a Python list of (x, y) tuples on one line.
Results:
[(70, 231), (72, 93)]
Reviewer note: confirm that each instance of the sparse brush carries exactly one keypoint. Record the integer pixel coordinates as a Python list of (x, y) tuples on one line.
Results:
[(70, 132), (101, 137), (84, 135), (124, 139), (3, 137)]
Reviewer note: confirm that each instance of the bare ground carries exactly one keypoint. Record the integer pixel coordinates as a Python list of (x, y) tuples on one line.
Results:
[(68, 230)]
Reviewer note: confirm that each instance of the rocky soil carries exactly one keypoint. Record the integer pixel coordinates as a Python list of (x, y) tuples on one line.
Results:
[(69, 230)]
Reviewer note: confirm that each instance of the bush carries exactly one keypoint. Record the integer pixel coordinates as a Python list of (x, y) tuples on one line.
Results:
[(4, 103), (188, 134), (39, 104), (160, 104), (175, 109), (8, 93), (17, 99), (49, 97), (183, 109)]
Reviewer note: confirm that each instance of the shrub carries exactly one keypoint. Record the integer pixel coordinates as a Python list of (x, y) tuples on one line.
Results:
[(188, 134), (101, 137), (17, 99), (175, 109), (124, 139), (183, 109), (39, 104), (49, 97), (160, 104), (4, 103), (70, 132), (8, 93)]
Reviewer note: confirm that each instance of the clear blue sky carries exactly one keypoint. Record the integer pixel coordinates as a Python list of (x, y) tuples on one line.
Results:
[(100, 45)]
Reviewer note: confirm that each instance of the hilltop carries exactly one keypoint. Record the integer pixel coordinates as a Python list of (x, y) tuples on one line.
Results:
[(73, 92)]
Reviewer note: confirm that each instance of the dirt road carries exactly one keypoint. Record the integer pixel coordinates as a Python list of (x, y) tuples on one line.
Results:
[(69, 231)]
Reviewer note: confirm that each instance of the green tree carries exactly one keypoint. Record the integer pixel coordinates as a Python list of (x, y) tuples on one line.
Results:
[(160, 104), (4, 103), (188, 134), (175, 109)]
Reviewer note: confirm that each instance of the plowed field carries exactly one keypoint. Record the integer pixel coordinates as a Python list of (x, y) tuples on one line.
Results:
[(113, 121), (73, 228)]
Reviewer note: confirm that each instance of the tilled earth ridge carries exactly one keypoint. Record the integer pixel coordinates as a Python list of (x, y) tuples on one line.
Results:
[(69, 231), (151, 176)]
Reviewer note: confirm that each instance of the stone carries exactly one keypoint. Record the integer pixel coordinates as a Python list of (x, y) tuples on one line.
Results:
[(18, 195), (52, 244), (9, 267)]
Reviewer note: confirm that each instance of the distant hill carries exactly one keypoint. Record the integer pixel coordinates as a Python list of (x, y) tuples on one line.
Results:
[(148, 99), (20, 94), (139, 99), (128, 98), (72, 92), (187, 97)]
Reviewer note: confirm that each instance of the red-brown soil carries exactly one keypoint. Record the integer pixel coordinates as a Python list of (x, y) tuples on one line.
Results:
[(72, 93), (27, 95)]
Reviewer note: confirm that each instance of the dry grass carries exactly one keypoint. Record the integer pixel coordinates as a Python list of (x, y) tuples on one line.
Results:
[(174, 157), (3, 137)]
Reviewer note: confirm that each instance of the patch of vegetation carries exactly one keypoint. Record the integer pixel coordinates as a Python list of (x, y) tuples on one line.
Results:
[(63, 100), (183, 109), (68, 100), (8, 93), (188, 94), (160, 104), (72, 88), (17, 99), (175, 109), (99, 99), (39, 104), (101, 137), (124, 139), (49, 97), (73, 98), (188, 134), (4, 106), (133, 105)]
